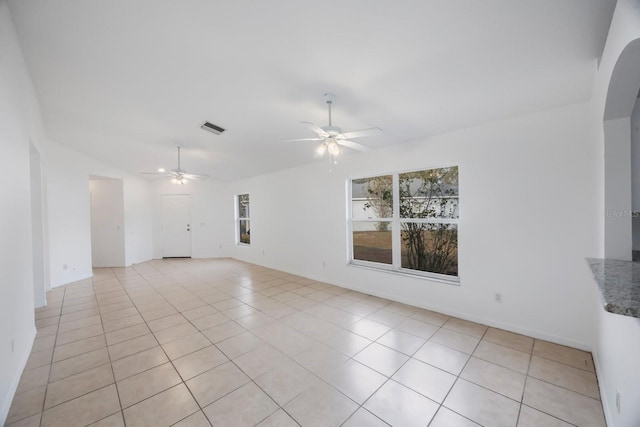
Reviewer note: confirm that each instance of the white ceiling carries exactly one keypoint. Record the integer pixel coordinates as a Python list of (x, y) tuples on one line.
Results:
[(124, 81)]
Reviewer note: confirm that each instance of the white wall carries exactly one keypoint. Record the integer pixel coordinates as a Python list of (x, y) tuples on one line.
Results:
[(20, 121), (616, 356), (210, 216), (69, 221), (69, 213), (617, 342), (107, 222), (526, 223)]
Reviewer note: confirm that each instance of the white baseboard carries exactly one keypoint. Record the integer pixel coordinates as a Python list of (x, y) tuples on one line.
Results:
[(465, 316), (484, 321), (15, 381)]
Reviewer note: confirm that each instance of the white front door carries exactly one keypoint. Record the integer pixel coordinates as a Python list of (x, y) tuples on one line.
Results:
[(176, 226)]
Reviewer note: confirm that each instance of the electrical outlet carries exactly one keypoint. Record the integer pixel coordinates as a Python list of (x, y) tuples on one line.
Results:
[(64, 266), (618, 401), (498, 297), (263, 252), (324, 264)]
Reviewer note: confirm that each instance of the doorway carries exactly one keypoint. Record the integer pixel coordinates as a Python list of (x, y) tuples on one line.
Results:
[(37, 227), (176, 226), (107, 222)]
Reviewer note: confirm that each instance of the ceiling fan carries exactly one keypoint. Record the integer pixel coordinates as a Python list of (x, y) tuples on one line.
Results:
[(178, 175), (332, 137)]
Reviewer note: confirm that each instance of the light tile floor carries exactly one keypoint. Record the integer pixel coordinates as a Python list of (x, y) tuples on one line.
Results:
[(222, 342)]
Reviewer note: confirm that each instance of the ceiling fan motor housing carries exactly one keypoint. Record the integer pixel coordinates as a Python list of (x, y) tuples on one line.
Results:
[(332, 130)]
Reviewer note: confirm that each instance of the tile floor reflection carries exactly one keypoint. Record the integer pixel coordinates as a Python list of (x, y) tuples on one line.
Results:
[(222, 342)]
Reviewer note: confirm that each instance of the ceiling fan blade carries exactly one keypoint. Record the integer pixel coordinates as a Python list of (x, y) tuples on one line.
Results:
[(317, 129), (302, 139), (354, 145), (195, 176), (155, 173), (360, 133)]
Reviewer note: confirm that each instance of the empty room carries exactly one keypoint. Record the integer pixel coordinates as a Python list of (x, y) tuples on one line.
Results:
[(294, 213)]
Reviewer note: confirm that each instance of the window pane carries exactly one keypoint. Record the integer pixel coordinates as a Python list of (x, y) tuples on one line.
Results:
[(243, 206), (372, 198), (430, 247), (245, 231), (372, 241), (431, 193)]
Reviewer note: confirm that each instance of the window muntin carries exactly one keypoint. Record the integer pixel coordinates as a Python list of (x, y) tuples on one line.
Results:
[(407, 222), (243, 220)]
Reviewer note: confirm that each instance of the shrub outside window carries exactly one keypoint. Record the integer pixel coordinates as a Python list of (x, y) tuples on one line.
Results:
[(243, 220), (407, 222)]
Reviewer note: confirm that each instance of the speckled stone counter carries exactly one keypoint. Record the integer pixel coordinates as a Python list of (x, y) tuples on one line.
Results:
[(619, 283)]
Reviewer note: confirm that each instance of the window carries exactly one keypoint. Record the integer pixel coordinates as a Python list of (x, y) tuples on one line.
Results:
[(407, 222), (243, 220)]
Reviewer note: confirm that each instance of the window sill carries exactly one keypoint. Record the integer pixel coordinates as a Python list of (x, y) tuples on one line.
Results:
[(432, 278)]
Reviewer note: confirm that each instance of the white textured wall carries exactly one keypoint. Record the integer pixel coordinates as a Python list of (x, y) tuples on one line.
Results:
[(20, 121), (527, 221)]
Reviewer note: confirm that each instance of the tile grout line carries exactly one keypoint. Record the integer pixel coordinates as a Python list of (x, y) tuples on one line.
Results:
[(46, 390), (458, 377), (109, 357)]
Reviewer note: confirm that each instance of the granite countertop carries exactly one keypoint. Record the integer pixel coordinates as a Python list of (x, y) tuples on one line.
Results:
[(619, 283)]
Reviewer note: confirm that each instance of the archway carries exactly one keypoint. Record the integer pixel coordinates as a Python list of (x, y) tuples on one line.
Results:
[(621, 98)]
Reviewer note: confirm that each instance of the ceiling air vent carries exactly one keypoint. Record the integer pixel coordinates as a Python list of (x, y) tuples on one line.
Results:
[(210, 127)]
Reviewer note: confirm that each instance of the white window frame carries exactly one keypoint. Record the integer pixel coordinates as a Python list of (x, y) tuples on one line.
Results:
[(236, 204), (396, 266)]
